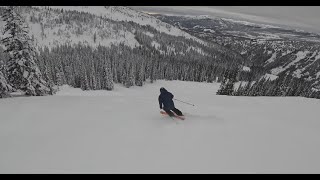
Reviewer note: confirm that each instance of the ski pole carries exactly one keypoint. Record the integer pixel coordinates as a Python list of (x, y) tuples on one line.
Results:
[(184, 102)]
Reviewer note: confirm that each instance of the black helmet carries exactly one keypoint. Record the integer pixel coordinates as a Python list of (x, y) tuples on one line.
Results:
[(162, 89)]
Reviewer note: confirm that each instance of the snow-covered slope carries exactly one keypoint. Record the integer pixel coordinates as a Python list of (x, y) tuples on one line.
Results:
[(121, 13), (122, 131), (52, 28), (98, 25)]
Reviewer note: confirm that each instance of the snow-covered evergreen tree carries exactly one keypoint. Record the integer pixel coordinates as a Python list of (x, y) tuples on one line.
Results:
[(5, 88), (48, 79), (84, 81), (221, 90), (23, 72), (140, 78), (152, 78), (59, 78), (227, 85), (93, 80), (107, 77), (130, 80), (94, 37), (239, 90), (114, 73)]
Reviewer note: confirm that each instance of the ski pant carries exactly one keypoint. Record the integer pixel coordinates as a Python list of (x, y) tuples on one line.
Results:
[(175, 110)]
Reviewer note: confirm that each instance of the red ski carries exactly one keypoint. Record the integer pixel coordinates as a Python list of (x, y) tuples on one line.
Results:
[(175, 115)]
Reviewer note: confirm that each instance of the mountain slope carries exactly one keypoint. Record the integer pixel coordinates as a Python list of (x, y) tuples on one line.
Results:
[(51, 26), (106, 26), (277, 50), (121, 13)]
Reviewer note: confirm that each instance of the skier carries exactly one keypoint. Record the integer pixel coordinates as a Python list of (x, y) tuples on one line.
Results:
[(165, 98)]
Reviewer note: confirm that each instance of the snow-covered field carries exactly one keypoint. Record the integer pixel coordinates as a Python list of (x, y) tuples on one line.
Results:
[(123, 132)]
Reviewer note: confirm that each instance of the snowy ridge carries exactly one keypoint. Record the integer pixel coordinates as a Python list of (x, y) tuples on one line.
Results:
[(120, 13), (250, 23)]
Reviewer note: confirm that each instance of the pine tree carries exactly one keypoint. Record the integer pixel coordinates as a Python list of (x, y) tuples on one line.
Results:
[(155, 72), (292, 87), (94, 37), (299, 89), (152, 74), (85, 82), (313, 94), (93, 77), (231, 81), (223, 84), (257, 88), (49, 81), (5, 88), (130, 77), (114, 73), (239, 91), (277, 89), (23, 72), (59, 77), (307, 90), (107, 77), (247, 88), (140, 78), (227, 85), (123, 76), (265, 86)]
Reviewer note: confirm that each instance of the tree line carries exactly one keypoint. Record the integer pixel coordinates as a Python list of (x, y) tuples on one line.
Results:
[(284, 85)]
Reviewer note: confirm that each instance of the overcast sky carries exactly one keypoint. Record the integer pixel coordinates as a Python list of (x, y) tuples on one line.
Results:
[(301, 17)]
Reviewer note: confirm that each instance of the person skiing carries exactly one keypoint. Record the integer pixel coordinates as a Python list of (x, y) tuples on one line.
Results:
[(165, 99)]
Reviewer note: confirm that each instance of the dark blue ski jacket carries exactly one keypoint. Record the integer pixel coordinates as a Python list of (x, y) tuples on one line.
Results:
[(165, 98)]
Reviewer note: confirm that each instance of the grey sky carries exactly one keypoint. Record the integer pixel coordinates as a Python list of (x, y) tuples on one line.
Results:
[(301, 17)]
